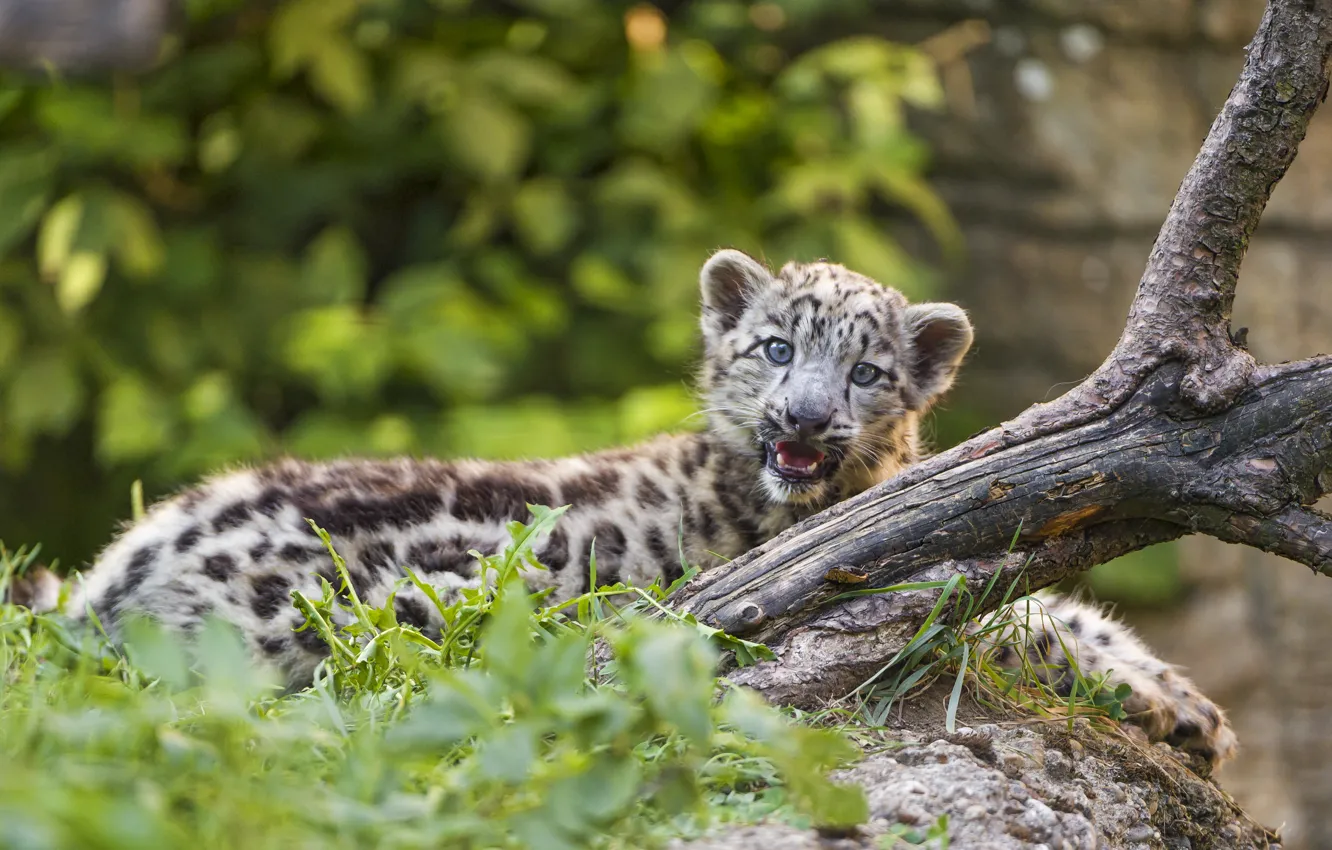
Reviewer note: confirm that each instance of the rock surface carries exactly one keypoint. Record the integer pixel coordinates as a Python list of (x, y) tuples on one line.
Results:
[(1011, 785)]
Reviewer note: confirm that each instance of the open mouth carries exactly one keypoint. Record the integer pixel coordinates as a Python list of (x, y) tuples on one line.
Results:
[(797, 462)]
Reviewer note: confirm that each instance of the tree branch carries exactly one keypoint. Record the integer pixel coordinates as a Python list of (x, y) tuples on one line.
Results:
[(1184, 300), (843, 647), (1298, 533), (1152, 458), (1182, 307), (1178, 431)]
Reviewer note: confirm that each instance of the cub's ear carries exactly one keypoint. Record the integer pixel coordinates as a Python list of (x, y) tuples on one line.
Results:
[(940, 336), (729, 280)]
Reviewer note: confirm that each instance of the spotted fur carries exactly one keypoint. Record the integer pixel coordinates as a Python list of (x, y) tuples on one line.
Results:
[(1064, 638), (815, 358)]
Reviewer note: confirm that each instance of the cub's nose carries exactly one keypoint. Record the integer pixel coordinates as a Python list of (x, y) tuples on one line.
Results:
[(808, 419)]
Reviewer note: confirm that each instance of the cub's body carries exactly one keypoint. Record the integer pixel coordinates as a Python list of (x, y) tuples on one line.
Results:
[(814, 379)]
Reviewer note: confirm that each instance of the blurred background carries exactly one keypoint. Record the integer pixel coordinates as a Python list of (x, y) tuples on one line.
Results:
[(453, 228)]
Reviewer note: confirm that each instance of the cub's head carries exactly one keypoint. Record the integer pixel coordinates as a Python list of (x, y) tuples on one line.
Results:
[(820, 372)]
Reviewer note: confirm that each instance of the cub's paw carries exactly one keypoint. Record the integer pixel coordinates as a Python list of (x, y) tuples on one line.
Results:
[(1200, 726), (1168, 707)]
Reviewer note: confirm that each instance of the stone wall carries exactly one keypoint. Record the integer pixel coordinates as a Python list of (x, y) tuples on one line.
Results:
[(1066, 138)]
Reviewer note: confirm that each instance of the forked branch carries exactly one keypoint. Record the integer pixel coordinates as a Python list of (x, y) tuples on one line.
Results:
[(1177, 432)]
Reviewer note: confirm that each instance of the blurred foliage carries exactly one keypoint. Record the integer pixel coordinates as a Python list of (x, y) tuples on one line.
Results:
[(384, 226), (1143, 579), (498, 735)]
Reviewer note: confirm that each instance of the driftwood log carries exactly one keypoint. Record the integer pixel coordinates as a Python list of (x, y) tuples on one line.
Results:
[(1178, 432)]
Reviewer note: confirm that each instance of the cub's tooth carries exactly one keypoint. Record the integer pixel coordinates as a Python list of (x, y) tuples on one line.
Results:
[(782, 460), (814, 467)]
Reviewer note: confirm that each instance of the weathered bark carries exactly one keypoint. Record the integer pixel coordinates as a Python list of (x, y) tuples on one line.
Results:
[(1177, 432)]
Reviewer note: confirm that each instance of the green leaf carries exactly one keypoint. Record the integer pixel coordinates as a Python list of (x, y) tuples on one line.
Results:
[(45, 395), (341, 75), (478, 222), (636, 184), (87, 122), (876, 112), (602, 793), (813, 186), (427, 75), (559, 670), (230, 676), (324, 434), (545, 215), (536, 303), (391, 435), (300, 29), (55, 241), (534, 830), (509, 754), (280, 128), (220, 142), (852, 58), (955, 698), (747, 711), (524, 79), (542, 426), (801, 755), (903, 186), (746, 652), (334, 271), (343, 352), (667, 100), (487, 137), (138, 243), (134, 421), (525, 536), (9, 100), (193, 260), (157, 652), (599, 281), (833, 805), (81, 278), (652, 410), (452, 338), (202, 10), (25, 187), (506, 641), (11, 337), (673, 667), (865, 247), (460, 706), (230, 436)]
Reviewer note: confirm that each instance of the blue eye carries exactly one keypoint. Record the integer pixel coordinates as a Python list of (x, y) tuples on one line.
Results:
[(779, 351), (864, 374)]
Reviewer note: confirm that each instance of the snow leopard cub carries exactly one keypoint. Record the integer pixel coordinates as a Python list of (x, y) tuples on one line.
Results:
[(814, 380)]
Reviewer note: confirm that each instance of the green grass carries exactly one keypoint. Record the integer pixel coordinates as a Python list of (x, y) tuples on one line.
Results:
[(597, 722), (498, 734), (958, 641)]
